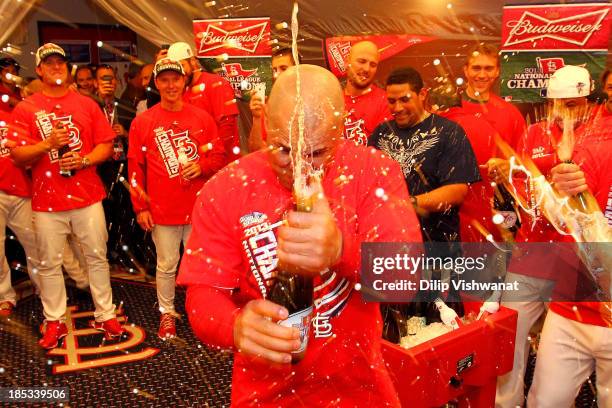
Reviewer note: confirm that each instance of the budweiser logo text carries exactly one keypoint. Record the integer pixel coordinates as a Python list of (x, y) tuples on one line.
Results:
[(245, 39), (575, 30)]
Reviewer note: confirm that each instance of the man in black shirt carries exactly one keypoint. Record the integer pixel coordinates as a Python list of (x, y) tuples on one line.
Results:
[(437, 161), (434, 153)]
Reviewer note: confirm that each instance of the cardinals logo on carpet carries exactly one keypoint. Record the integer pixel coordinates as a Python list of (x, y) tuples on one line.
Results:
[(169, 144), (47, 121), (79, 357)]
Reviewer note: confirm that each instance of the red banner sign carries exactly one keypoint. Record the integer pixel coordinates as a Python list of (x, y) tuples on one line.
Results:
[(240, 37), (557, 27), (337, 48)]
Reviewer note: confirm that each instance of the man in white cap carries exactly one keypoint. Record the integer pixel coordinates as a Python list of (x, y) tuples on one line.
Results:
[(577, 336), (541, 274), (63, 135), (174, 149), (211, 93)]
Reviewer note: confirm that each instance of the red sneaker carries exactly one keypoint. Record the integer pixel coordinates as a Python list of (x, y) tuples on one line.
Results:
[(111, 328), (167, 327), (54, 332), (6, 308)]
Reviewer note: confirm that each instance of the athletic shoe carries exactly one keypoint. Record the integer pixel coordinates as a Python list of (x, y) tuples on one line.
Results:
[(111, 328), (54, 332), (167, 327), (6, 308)]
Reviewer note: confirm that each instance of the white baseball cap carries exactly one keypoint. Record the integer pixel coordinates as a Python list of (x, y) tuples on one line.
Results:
[(569, 81), (48, 49), (180, 51)]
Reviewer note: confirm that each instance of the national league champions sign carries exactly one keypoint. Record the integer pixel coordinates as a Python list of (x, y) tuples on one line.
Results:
[(538, 40), (239, 50)]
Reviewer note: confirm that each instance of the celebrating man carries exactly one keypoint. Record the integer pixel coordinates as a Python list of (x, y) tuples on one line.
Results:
[(174, 150), (365, 103), (235, 247), (63, 136)]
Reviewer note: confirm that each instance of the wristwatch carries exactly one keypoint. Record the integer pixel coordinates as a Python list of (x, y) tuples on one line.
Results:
[(85, 162)]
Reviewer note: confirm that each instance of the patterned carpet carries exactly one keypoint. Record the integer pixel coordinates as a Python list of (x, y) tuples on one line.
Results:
[(139, 370)]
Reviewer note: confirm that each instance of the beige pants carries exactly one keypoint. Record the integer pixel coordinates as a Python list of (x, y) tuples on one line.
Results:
[(167, 239), (89, 227), (511, 386), (569, 352), (16, 214)]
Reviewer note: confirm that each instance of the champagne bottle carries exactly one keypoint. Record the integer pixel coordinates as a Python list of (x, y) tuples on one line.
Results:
[(295, 293), (61, 152), (504, 204)]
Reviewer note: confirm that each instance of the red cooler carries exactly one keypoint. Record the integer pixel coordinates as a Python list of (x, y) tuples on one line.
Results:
[(461, 366)]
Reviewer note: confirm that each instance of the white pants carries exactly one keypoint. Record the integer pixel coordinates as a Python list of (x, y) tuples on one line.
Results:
[(568, 353), (511, 386), (16, 213), (167, 239), (89, 227)]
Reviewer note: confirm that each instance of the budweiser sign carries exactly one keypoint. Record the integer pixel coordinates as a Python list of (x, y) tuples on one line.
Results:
[(555, 27), (234, 37)]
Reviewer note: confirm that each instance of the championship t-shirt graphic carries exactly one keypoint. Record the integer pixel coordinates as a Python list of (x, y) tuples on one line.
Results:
[(175, 148), (331, 292), (45, 122)]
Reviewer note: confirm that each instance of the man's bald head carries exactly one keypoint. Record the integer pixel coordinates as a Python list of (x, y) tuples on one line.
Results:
[(362, 64), (323, 106), (322, 97)]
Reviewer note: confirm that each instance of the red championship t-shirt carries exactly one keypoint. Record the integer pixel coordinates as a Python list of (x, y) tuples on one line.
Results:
[(13, 179), (478, 203), (215, 95), (11, 98), (595, 159), (158, 139), (503, 116), (364, 113), (233, 246), (34, 118)]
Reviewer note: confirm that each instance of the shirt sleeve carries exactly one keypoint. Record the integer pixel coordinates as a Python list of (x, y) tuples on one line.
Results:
[(211, 160), (457, 160), (519, 127), (211, 314), (213, 255), (21, 126), (386, 218), (136, 167)]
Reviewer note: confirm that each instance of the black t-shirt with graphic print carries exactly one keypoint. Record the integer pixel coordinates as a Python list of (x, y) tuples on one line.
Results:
[(432, 154)]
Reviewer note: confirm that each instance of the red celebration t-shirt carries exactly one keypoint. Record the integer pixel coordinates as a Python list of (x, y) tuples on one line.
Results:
[(364, 113), (158, 138), (33, 120), (233, 246), (13, 179)]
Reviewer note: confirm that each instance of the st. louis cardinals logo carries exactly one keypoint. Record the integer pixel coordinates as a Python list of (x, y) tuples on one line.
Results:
[(169, 144), (3, 150), (78, 357), (353, 130), (45, 122)]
